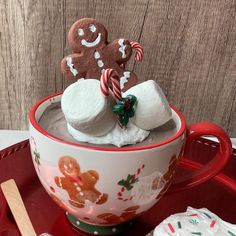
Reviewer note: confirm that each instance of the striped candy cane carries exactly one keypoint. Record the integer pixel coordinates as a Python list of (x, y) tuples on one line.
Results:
[(121, 193), (107, 75), (139, 50)]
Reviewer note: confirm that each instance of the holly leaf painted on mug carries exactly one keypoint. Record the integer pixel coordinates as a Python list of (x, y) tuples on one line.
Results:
[(37, 157), (128, 182)]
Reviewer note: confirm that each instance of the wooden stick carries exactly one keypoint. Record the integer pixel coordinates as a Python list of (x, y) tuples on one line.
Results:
[(17, 207)]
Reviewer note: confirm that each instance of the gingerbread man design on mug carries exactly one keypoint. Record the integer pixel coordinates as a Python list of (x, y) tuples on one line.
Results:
[(79, 186), (92, 53)]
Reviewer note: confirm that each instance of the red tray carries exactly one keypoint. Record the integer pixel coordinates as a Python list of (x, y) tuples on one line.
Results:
[(218, 195)]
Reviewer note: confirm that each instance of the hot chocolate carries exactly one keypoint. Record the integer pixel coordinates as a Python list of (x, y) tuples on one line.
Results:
[(54, 122)]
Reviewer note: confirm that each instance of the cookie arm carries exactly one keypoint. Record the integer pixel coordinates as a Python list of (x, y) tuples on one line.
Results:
[(73, 67), (59, 181), (120, 50), (90, 177)]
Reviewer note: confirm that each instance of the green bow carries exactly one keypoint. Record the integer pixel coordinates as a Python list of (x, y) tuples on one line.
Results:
[(124, 109)]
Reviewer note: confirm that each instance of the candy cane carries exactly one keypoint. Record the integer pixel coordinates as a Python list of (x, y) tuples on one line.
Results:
[(139, 50), (110, 74), (120, 194)]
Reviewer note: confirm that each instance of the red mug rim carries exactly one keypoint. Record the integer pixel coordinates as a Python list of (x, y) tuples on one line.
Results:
[(36, 125)]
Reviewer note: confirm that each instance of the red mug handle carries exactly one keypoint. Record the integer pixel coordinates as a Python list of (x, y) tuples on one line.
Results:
[(211, 169)]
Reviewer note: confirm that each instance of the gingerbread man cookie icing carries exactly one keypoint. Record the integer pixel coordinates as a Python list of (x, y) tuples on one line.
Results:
[(79, 186), (92, 53)]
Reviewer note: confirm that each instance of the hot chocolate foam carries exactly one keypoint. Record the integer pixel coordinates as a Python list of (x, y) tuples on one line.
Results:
[(54, 122)]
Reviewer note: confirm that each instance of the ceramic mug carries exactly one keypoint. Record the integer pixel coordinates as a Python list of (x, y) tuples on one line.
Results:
[(103, 189)]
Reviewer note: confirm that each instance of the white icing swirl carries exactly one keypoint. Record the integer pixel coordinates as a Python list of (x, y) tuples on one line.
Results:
[(122, 47), (124, 79), (71, 66)]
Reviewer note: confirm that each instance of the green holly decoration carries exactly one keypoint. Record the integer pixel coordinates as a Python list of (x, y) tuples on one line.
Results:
[(128, 183), (37, 157), (124, 109)]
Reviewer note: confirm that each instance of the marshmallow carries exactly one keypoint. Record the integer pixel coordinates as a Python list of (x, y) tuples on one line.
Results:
[(87, 109), (194, 222), (152, 108)]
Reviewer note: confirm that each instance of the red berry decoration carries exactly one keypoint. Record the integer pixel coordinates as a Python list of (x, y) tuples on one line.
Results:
[(124, 109)]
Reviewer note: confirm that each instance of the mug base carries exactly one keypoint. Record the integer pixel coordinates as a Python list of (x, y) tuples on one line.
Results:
[(98, 229)]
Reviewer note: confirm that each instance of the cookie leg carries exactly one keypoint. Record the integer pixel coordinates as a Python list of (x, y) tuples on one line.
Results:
[(109, 218), (102, 198), (76, 204), (95, 196), (127, 80)]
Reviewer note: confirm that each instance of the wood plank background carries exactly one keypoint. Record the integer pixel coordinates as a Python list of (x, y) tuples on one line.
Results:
[(189, 50)]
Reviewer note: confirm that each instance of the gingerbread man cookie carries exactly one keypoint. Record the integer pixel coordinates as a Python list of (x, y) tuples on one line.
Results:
[(92, 53), (168, 175), (79, 186)]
